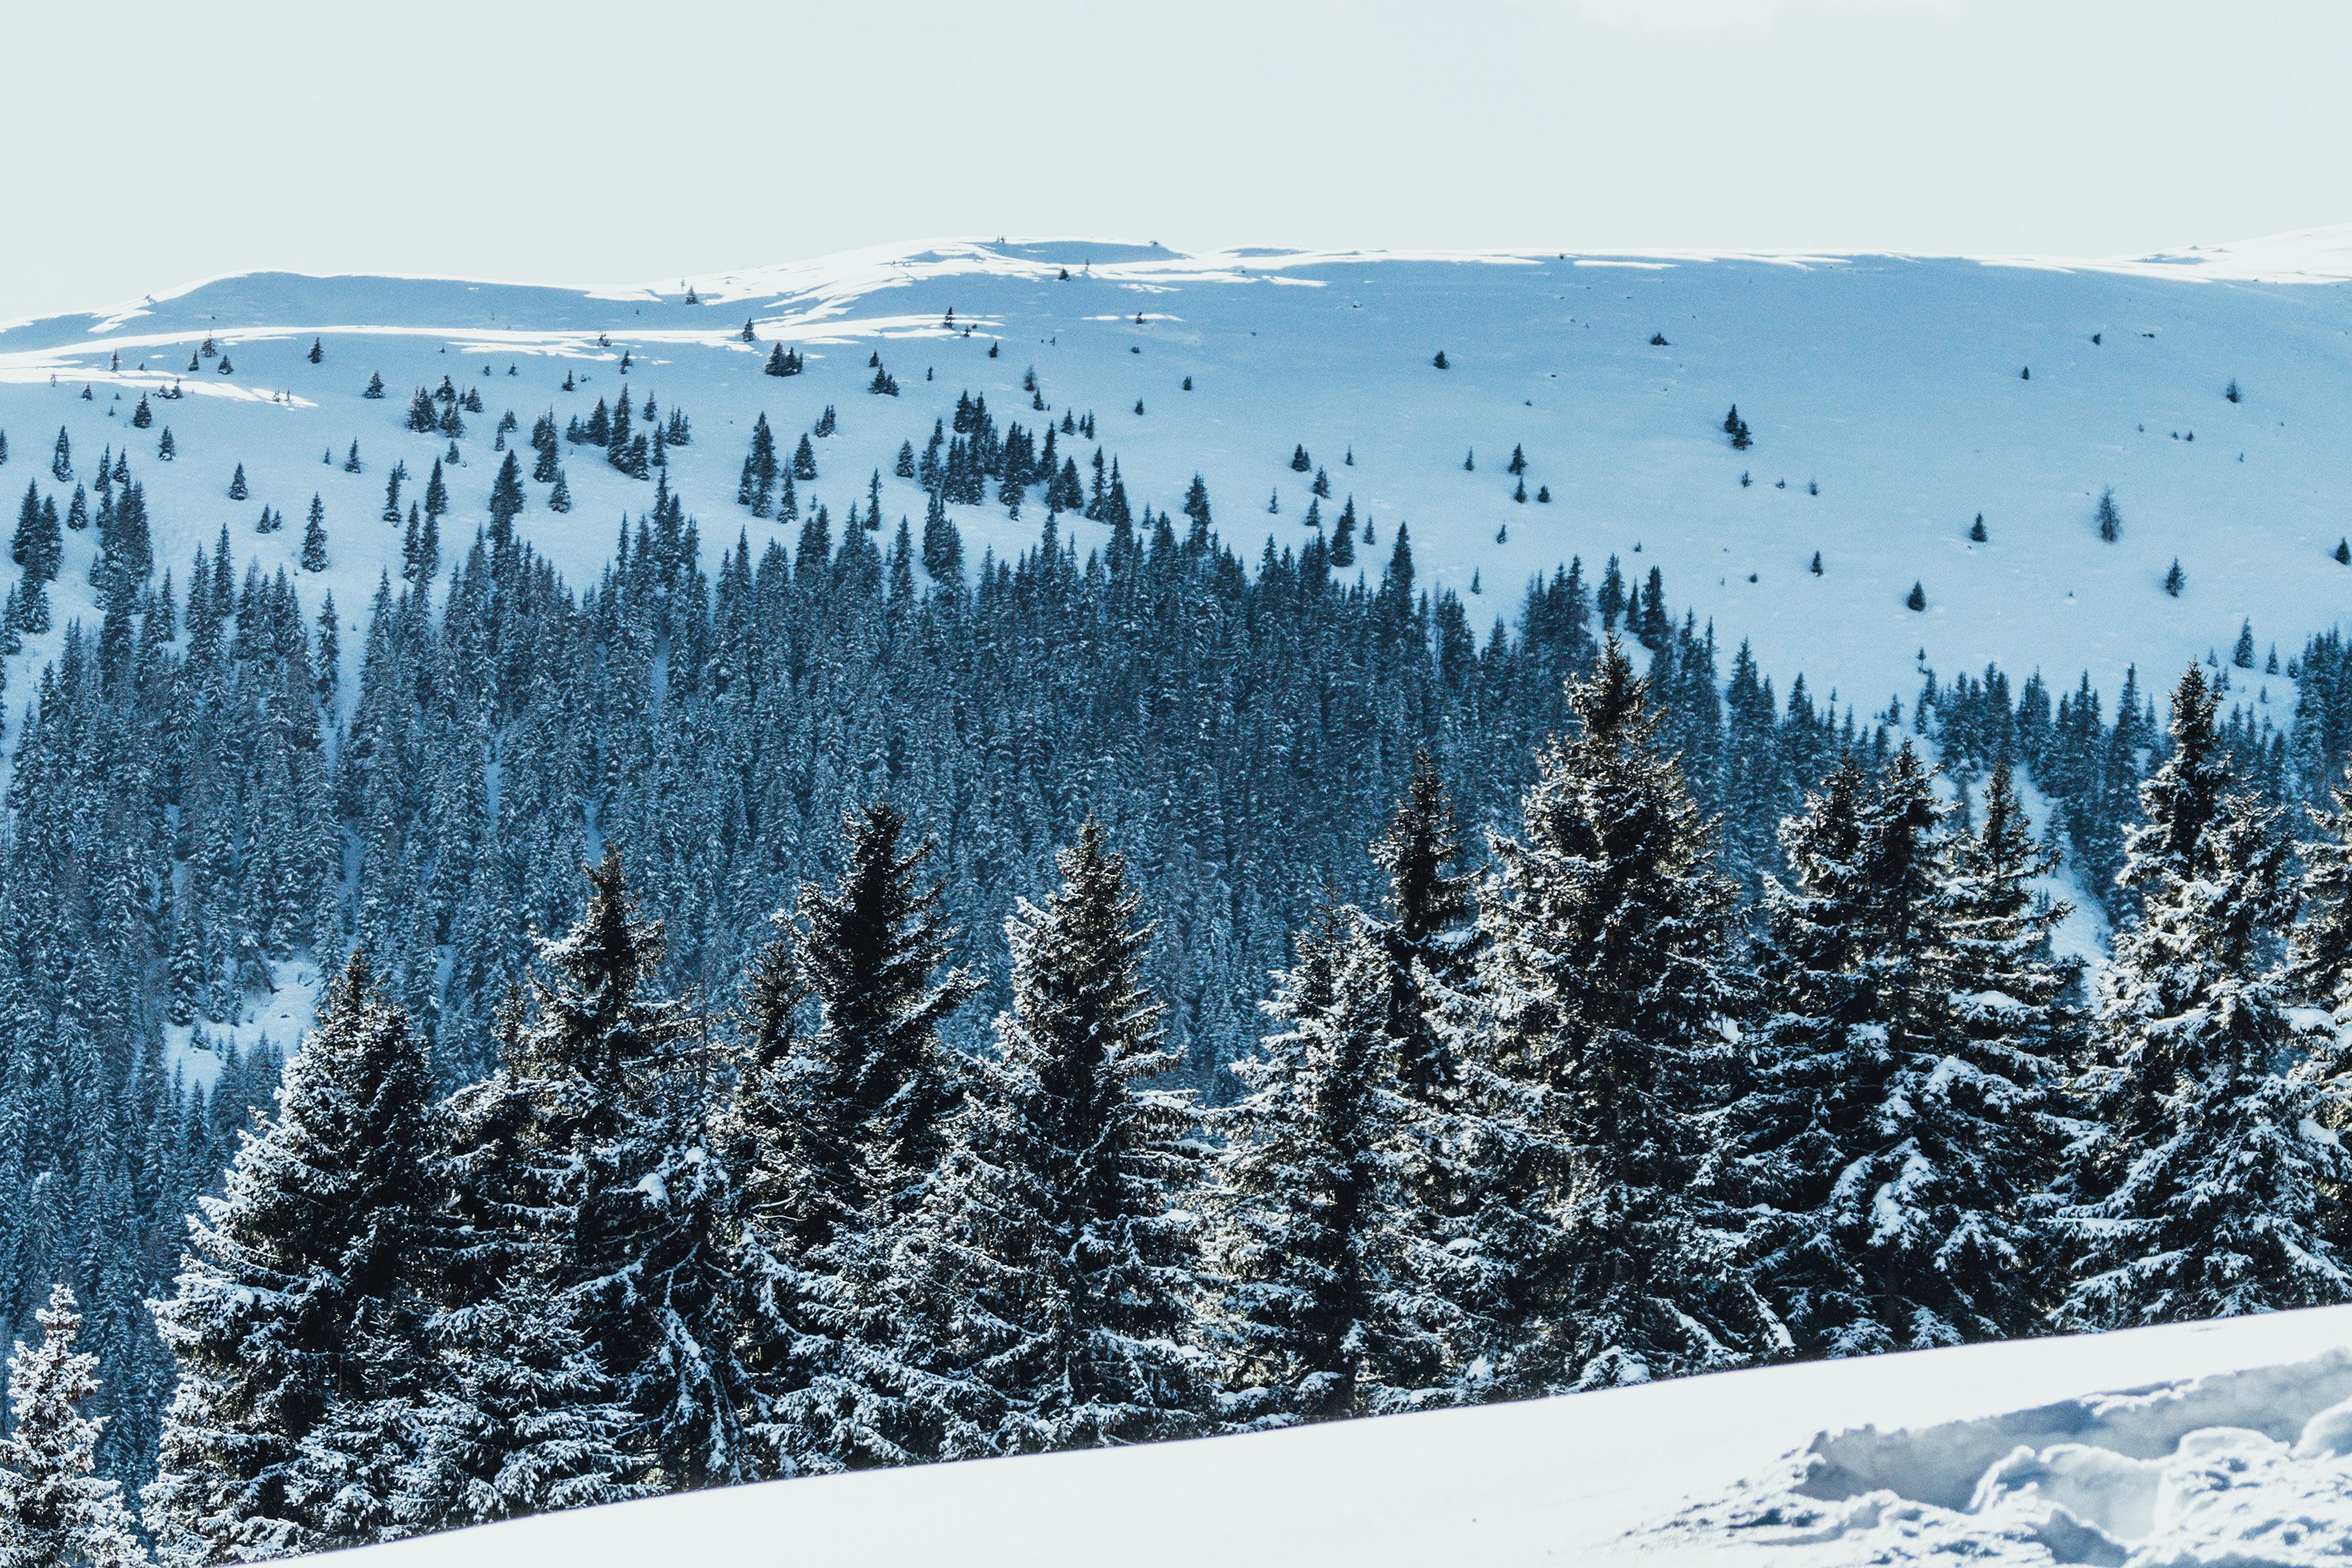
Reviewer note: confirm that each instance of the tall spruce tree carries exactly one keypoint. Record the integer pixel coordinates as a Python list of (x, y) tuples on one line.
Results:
[(619, 1078), (1056, 1260), (1431, 927), (521, 1416), (2206, 1193), (850, 1079), (1318, 1246), (2319, 966), (1608, 973), (1853, 1172), (55, 1511), (297, 1320)]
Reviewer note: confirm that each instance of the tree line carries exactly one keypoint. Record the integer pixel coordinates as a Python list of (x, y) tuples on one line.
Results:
[(201, 799), (1562, 1121)]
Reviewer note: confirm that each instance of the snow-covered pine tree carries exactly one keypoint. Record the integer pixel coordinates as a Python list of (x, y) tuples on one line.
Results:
[(1881, 1142), (314, 537), (1315, 1237), (521, 1416), (1430, 930), (1055, 1263), (54, 1512), (2208, 1191), (1992, 1116), (506, 502), (296, 1320), (857, 1103), (1603, 989), (2319, 948), (794, 1166), (619, 1083)]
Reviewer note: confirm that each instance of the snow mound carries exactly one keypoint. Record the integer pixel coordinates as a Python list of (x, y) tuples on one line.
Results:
[(2244, 1425), (2243, 1468)]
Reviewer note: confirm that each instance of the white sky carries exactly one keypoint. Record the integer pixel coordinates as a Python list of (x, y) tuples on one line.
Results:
[(144, 144)]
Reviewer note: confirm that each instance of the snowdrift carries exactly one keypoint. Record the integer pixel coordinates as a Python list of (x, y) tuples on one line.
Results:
[(2204, 1443)]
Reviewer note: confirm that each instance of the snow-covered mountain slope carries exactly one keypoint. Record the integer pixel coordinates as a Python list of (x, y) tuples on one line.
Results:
[(2236, 1448), (1896, 386)]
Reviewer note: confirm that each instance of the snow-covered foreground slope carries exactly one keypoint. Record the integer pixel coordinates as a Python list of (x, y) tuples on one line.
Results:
[(1711, 1470), (1895, 385)]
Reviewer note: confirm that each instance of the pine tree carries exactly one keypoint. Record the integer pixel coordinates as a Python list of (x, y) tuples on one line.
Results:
[(870, 1084), (54, 1512), (39, 544), (1607, 974), (522, 1417), (237, 491), (2204, 1194), (1429, 931), (61, 457), (506, 500), (1891, 1119), (2110, 521), (618, 1080), (1058, 1234), (314, 537), (874, 945), (296, 1318), (1318, 1246), (2319, 967)]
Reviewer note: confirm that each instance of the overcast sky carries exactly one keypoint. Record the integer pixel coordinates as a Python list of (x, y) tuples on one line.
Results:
[(152, 143)]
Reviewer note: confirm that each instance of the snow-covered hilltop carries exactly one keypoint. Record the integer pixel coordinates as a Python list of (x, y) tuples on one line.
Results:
[(1891, 400)]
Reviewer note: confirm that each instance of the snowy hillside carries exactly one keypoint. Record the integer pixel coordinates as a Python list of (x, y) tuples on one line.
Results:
[(1895, 387), (2024, 1453)]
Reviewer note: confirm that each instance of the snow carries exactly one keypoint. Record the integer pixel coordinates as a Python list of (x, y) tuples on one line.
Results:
[(2207, 1443), (284, 1019), (1893, 382)]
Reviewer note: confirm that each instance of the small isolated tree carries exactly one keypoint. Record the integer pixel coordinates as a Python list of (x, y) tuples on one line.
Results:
[(2110, 520), (237, 491), (314, 537), (54, 1512), (2175, 579), (2344, 553), (2231, 390), (506, 498), (318, 351), (1440, 361), (1976, 534), (375, 386), (1916, 599)]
